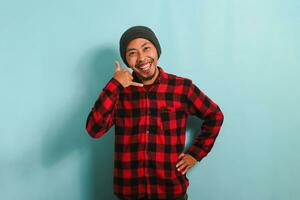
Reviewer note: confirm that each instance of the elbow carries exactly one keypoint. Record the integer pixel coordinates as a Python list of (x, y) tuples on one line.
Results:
[(95, 131), (220, 116), (92, 128), (88, 127), (89, 130)]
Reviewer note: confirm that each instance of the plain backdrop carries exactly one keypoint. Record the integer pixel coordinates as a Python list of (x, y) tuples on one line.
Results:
[(56, 56)]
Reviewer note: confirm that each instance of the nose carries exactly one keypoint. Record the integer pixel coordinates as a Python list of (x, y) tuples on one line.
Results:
[(141, 56)]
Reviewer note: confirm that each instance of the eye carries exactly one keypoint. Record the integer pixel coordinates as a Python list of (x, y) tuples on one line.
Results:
[(146, 48), (131, 53)]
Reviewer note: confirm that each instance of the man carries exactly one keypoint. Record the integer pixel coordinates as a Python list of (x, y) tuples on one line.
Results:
[(149, 109)]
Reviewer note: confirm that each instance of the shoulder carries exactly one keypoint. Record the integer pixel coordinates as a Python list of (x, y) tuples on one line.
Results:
[(179, 80)]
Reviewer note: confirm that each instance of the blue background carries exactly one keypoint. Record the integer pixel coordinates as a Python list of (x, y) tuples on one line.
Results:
[(56, 56)]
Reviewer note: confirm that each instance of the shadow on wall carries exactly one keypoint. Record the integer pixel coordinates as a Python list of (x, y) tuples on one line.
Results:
[(193, 129), (66, 134)]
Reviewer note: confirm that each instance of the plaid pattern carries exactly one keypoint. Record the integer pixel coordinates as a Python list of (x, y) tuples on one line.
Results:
[(150, 127)]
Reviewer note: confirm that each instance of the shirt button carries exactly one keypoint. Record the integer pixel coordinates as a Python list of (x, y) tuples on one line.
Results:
[(147, 131)]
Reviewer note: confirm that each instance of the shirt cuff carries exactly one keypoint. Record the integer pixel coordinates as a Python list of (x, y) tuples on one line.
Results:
[(194, 154), (113, 86)]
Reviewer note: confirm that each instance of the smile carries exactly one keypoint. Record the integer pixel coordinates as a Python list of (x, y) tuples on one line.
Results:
[(145, 67)]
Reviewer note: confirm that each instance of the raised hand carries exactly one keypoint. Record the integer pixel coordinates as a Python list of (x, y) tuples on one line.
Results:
[(124, 77)]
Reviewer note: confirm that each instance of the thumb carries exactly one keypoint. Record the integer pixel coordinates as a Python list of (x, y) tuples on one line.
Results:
[(118, 67)]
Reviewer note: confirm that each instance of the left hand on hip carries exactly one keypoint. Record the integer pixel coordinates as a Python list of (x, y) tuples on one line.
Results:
[(186, 161)]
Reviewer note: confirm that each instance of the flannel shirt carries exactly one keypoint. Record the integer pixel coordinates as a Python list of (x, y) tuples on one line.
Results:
[(150, 127)]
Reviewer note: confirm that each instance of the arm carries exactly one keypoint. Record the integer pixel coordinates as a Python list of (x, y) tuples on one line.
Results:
[(101, 118), (204, 108)]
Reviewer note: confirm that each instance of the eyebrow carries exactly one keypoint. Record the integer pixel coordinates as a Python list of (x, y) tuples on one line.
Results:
[(131, 49)]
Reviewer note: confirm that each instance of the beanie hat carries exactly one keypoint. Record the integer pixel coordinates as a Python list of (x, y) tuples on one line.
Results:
[(137, 32)]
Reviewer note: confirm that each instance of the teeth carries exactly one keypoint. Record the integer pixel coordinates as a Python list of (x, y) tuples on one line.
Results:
[(145, 67)]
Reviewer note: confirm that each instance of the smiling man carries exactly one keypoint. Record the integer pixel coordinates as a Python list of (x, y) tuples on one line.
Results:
[(149, 109)]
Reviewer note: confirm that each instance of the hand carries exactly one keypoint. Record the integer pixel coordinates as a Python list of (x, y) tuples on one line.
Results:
[(124, 77), (186, 161)]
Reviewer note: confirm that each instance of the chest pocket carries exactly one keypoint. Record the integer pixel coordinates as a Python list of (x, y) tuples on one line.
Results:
[(171, 118)]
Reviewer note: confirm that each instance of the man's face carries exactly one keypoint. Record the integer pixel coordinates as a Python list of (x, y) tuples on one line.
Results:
[(141, 56)]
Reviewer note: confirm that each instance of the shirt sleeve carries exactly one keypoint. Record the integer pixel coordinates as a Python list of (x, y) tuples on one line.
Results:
[(203, 107), (101, 117)]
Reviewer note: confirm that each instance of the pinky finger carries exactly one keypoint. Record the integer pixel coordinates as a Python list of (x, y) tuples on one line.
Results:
[(185, 170), (137, 84)]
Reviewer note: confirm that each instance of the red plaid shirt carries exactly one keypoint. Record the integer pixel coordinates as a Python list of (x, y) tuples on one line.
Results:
[(150, 125)]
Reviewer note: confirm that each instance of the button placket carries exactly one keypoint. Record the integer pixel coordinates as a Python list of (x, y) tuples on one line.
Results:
[(147, 134)]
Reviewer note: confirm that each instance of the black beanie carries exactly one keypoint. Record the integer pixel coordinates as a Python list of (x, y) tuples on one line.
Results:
[(137, 32)]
